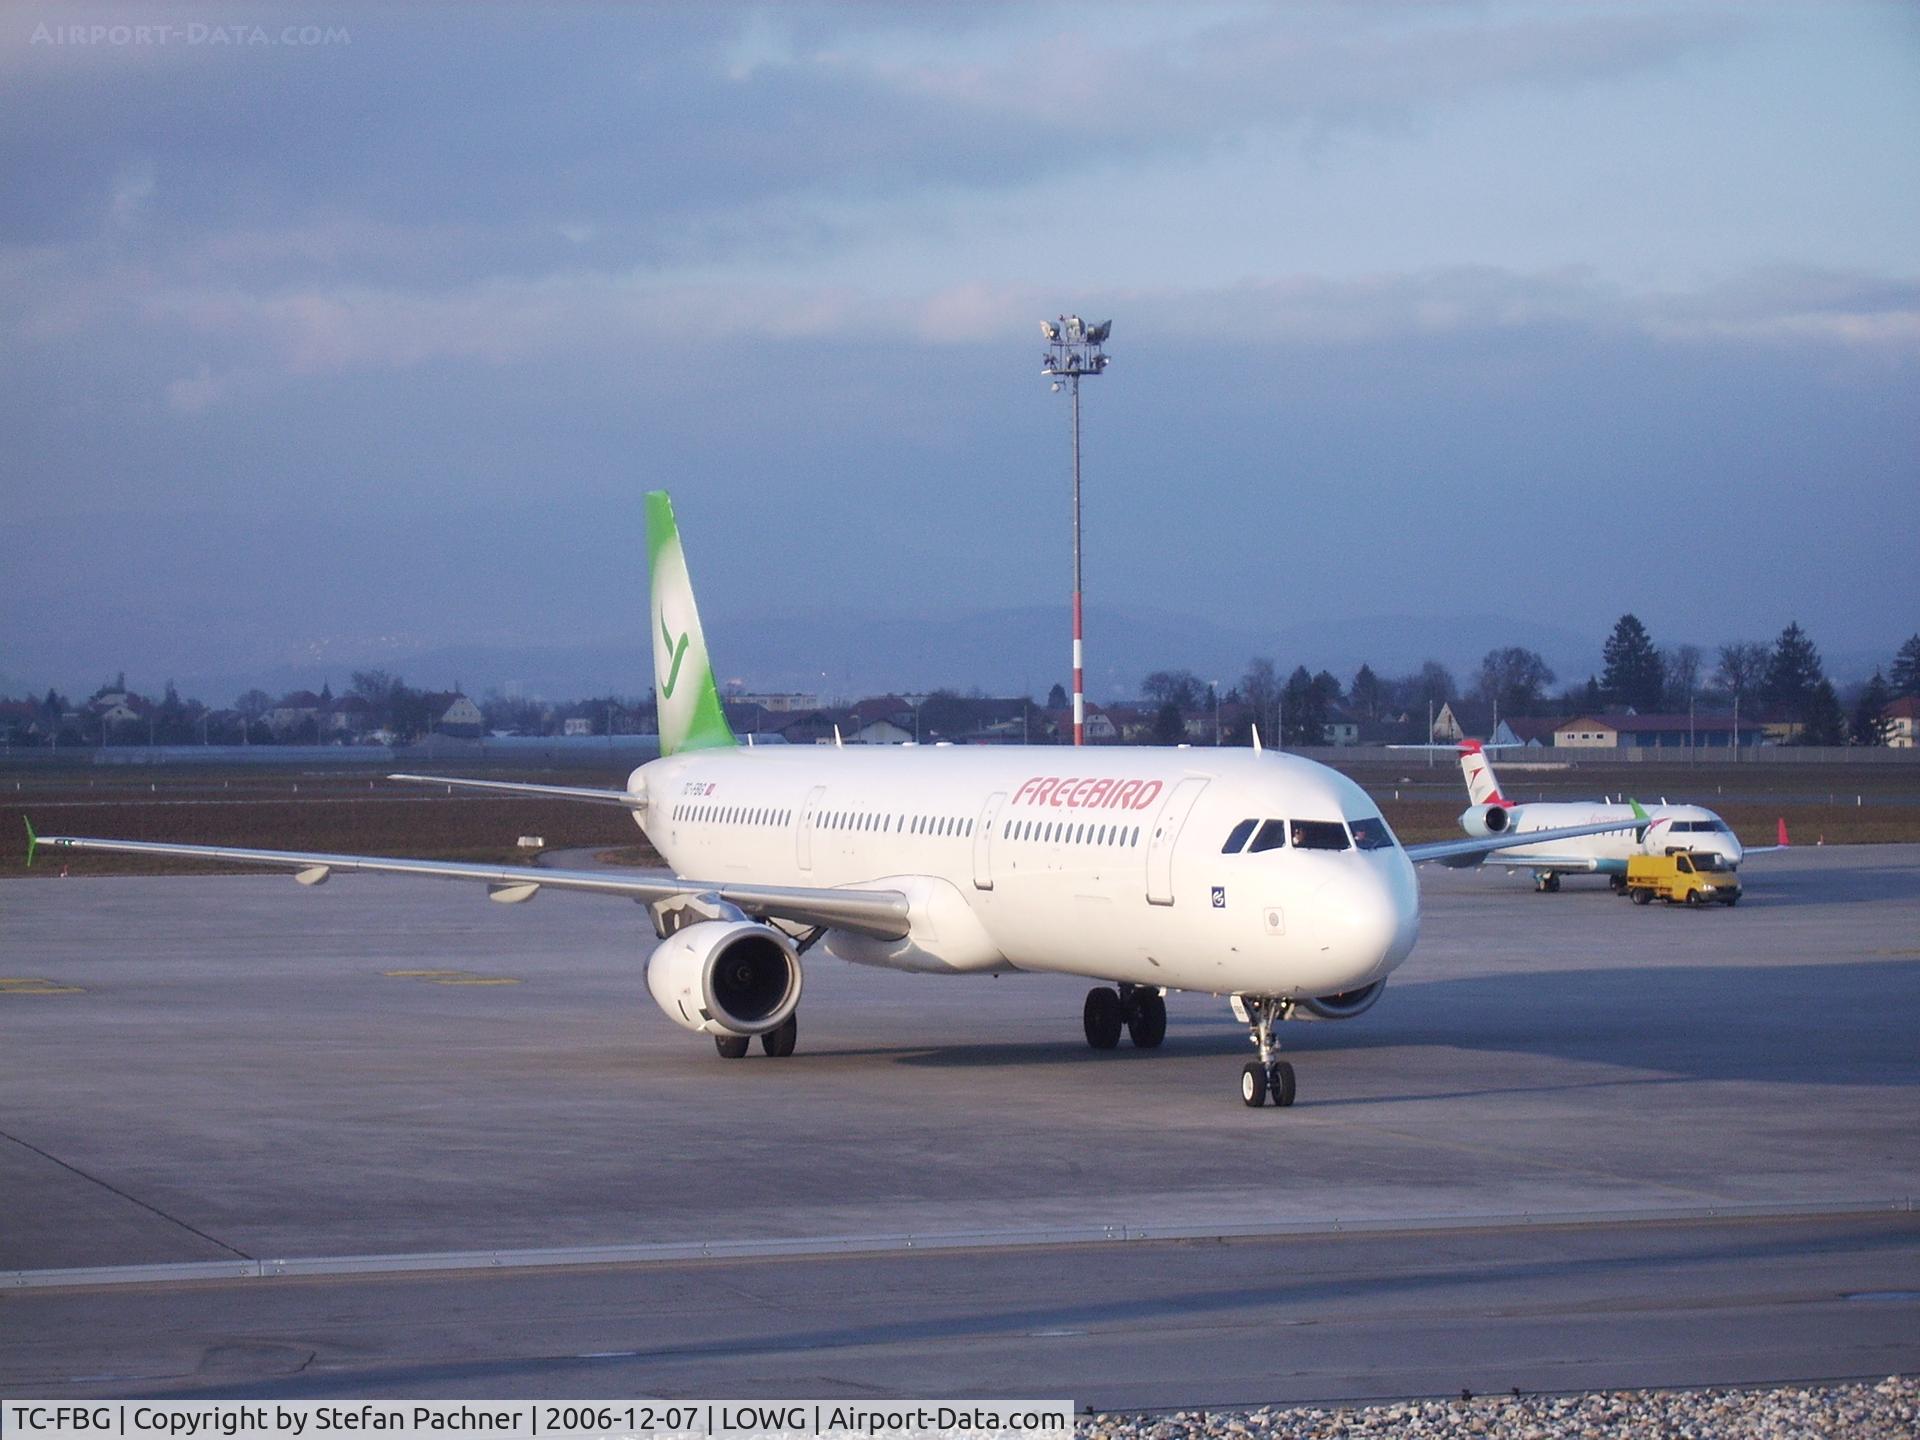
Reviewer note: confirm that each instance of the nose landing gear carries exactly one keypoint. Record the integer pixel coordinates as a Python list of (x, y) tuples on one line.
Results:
[(1269, 1077)]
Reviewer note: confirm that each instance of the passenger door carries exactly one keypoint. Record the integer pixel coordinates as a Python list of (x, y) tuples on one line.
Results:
[(803, 836), (983, 841), (1166, 830)]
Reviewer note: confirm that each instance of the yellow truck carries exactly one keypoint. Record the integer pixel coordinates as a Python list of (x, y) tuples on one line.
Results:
[(1682, 877)]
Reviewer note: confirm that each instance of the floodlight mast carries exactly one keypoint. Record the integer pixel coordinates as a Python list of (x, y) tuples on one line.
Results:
[(1073, 350)]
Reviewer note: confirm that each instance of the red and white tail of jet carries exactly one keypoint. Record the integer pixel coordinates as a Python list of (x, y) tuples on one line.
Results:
[(1482, 786)]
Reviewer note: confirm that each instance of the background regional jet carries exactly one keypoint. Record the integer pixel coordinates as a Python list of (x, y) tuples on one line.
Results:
[(1263, 877), (1637, 830)]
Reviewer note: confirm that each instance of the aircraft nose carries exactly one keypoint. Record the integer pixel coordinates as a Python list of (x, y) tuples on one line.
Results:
[(1380, 913)]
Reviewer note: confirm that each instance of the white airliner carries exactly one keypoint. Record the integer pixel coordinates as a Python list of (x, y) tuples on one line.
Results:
[(1263, 877), (1637, 830)]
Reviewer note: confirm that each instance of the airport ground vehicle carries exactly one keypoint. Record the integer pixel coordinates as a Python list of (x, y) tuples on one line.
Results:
[(1682, 877)]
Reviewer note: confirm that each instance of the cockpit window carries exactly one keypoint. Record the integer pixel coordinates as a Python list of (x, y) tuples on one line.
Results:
[(1371, 833), (1238, 837), (1272, 836), (1319, 835)]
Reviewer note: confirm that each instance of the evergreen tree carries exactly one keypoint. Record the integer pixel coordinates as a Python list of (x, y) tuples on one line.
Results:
[(1367, 692), (1870, 723), (1826, 722), (1168, 726), (1905, 679), (1634, 675), (1793, 672), (1304, 719), (1057, 698)]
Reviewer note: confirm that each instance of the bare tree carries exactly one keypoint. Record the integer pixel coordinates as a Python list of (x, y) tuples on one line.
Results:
[(1743, 665), (1682, 666), (1261, 688), (1172, 687)]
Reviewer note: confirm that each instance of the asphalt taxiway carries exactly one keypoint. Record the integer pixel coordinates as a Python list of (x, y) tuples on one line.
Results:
[(1578, 1142)]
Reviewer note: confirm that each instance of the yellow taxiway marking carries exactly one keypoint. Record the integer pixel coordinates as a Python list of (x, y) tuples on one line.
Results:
[(34, 985), (449, 977)]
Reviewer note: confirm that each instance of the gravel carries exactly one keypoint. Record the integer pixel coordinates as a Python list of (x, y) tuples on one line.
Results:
[(1889, 1410)]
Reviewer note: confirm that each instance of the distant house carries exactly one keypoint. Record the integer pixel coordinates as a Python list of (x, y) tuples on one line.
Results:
[(1531, 732), (1655, 732), (1903, 716), (879, 732), (577, 725), (1341, 729), (778, 704), (454, 714), (351, 715), (295, 709), (20, 722), (815, 727)]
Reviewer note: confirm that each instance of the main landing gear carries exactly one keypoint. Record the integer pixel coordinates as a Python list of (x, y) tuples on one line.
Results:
[(1140, 1009), (1545, 881), (777, 1042), (1269, 1077)]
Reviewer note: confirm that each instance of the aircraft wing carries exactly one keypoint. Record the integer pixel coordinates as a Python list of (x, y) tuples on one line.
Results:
[(880, 913), (514, 787), (1461, 853)]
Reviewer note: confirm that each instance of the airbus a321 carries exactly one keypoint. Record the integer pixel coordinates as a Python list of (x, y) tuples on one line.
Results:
[(1636, 830), (1258, 876)]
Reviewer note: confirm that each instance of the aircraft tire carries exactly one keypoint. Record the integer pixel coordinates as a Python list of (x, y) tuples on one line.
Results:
[(1280, 1080), (731, 1047), (779, 1041), (1103, 1017), (1147, 1019), (1253, 1085)]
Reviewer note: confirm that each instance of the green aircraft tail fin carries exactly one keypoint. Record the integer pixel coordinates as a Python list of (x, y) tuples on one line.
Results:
[(689, 702)]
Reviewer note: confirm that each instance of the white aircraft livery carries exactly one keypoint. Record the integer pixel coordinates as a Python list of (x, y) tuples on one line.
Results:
[(1258, 876), (1637, 830)]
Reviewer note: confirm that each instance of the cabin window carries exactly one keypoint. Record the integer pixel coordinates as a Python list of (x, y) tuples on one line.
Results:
[(1238, 837), (1272, 835), (1370, 832), (1319, 835)]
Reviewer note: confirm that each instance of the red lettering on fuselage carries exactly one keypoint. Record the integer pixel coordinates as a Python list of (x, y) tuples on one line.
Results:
[(1074, 792)]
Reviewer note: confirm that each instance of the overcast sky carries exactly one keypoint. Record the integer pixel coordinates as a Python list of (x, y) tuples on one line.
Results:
[(343, 333)]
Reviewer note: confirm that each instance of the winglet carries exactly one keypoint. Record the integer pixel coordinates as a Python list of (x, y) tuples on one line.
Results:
[(33, 840), (1783, 842), (1256, 740), (691, 717)]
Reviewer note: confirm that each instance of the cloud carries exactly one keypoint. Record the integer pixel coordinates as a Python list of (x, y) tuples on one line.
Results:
[(315, 330)]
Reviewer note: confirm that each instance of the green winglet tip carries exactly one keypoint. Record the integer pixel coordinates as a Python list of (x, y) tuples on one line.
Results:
[(33, 840), (1638, 813)]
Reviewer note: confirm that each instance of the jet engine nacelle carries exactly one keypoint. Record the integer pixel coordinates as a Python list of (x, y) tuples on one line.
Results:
[(726, 977), (1483, 820), (1340, 1007)]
